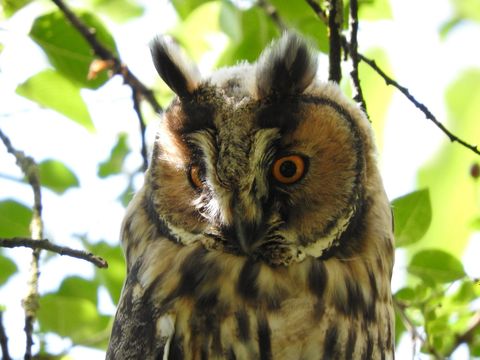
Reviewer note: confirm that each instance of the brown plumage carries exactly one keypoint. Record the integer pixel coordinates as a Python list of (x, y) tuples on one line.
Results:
[(262, 230)]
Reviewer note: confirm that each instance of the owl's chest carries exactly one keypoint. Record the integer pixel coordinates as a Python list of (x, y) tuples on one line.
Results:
[(209, 306)]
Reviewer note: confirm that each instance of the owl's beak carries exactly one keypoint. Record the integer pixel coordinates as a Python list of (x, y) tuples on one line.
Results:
[(247, 232)]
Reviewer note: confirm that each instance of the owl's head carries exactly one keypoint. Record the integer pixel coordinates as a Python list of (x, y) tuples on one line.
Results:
[(260, 160)]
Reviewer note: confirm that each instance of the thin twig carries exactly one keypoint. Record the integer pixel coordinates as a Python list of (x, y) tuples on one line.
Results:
[(467, 335), (335, 16), (418, 104), (272, 12), (402, 89), (321, 13), (30, 302), (45, 244), (141, 121), (102, 52), (4, 340), (353, 50), (413, 330)]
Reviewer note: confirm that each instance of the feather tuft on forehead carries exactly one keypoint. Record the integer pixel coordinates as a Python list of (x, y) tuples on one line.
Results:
[(180, 74), (287, 67)]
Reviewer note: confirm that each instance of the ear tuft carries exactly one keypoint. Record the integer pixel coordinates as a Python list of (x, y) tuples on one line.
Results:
[(286, 67), (180, 74)]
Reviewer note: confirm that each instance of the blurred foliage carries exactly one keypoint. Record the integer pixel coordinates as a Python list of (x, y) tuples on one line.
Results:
[(56, 176), (432, 225), (463, 11)]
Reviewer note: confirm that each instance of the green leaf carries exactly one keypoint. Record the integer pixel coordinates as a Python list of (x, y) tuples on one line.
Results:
[(67, 50), (194, 33), (57, 176), (476, 224), (114, 277), (78, 287), (452, 191), (257, 32), (14, 219), (405, 294), (412, 214), (118, 10), (185, 7), (436, 266), (127, 195), (299, 15), (114, 164), (374, 10), (76, 318), (399, 327), (465, 292), (10, 7), (7, 269), (467, 9), (50, 89)]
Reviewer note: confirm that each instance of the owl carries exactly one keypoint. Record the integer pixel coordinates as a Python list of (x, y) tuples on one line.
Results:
[(262, 230)]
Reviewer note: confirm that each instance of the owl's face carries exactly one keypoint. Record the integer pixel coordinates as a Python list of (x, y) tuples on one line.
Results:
[(259, 160)]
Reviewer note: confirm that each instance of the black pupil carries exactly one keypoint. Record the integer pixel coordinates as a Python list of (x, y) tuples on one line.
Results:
[(288, 169)]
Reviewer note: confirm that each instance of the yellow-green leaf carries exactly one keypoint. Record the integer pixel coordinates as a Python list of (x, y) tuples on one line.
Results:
[(57, 176), (52, 90), (113, 278), (114, 164), (10, 7), (76, 318), (412, 214), (14, 219), (374, 10), (7, 269), (453, 191), (436, 266), (67, 50)]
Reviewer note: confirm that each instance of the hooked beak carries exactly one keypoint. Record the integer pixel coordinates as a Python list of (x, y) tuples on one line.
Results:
[(247, 232)]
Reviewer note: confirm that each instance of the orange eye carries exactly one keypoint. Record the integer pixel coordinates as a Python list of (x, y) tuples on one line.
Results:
[(288, 169), (194, 176)]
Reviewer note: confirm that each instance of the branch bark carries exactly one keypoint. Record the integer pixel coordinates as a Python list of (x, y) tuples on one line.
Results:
[(30, 302), (335, 20), (45, 244), (139, 90), (353, 50), (4, 340), (466, 336), (413, 330), (422, 107), (346, 45), (272, 12)]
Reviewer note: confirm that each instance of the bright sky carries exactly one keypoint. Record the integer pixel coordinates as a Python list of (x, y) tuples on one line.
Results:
[(420, 61)]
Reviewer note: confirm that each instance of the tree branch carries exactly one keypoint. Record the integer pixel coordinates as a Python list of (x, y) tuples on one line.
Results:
[(346, 45), (139, 90), (141, 121), (413, 330), (102, 52), (335, 20), (272, 12), (389, 81), (353, 51), (322, 15), (466, 336), (45, 244), (30, 302), (4, 340)]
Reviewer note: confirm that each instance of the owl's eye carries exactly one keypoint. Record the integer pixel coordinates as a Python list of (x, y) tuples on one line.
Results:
[(194, 176), (289, 169)]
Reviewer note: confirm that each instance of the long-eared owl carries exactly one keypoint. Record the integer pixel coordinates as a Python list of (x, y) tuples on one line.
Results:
[(262, 230)]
